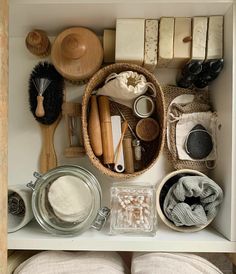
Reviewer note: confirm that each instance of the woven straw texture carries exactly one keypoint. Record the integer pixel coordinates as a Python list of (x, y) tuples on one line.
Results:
[(152, 149), (200, 104)]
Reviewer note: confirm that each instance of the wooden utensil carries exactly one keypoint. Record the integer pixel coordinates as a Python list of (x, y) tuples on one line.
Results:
[(106, 129), (94, 128), (128, 155)]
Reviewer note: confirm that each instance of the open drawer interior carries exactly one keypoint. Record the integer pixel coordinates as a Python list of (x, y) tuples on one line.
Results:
[(24, 135)]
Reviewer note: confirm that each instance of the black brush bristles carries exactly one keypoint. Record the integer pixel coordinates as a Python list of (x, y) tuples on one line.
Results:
[(53, 95)]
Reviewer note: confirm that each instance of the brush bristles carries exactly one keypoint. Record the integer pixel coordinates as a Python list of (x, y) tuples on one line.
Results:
[(52, 83)]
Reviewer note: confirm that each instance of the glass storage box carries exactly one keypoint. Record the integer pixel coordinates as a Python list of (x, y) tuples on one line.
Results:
[(133, 210)]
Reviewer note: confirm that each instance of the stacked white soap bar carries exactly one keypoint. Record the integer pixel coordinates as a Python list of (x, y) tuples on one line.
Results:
[(199, 36), (151, 44), (182, 41), (215, 38), (166, 41), (170, 42), (130, 41)]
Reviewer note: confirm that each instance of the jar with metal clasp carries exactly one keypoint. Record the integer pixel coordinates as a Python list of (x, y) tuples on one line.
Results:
[(67, 201)]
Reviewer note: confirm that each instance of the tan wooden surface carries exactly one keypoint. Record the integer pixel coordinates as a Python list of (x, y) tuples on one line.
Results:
[(3, 132), (94, 128), (77, 53), (48, 157)]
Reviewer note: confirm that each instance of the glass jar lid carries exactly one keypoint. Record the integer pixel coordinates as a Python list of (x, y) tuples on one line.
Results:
[(66, 200)]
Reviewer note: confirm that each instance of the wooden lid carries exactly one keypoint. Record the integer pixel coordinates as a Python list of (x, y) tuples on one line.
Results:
[(38, 43), (77, 53)]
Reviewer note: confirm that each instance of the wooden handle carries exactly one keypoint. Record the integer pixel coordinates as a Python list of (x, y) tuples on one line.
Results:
[(106, 128), (128, 155), (94, 128), (39, 112), (73, 47), (104, 109), (48, 158)]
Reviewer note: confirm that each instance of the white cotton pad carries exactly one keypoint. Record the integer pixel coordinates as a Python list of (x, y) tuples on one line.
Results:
[(70, 198)]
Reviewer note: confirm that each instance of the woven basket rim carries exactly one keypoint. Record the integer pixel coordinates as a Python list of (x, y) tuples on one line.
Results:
[(88, 90)]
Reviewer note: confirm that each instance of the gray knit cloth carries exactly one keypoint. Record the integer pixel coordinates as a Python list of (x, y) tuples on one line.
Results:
[(180, 213)]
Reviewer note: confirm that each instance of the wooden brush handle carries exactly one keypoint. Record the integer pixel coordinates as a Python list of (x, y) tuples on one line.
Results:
[(94, 128), (39, 112), (106, 128), (128, 155), (48, 158)]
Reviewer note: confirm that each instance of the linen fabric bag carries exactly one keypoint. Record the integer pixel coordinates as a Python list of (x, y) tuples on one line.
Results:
[(167, 263), (61, 262)]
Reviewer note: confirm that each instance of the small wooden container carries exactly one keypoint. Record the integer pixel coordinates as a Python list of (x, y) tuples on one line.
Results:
[(77, 53), (147, 129), (37, 43)]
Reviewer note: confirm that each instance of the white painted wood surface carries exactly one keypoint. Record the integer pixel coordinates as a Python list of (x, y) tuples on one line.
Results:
[(208, 240)]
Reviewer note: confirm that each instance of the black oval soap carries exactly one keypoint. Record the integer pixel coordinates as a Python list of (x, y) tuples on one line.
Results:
[(199, 143)]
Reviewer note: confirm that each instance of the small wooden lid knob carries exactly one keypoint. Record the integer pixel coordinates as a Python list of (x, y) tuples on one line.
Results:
[(37, 43), (73, 47), (34, 38)]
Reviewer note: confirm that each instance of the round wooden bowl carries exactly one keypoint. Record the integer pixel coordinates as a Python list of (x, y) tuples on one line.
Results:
[(159, 193), (97, 81)]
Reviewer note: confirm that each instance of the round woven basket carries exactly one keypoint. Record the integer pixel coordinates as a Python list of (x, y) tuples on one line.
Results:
[(155, 147)]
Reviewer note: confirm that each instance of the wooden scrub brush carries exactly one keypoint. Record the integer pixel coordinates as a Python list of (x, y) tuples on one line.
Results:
[(45, 98)]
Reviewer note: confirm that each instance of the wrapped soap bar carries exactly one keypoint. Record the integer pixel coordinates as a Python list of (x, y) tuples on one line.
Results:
[(130, 41), (166, 38), (133, 210), (151, 43), (215, 38), (199, 35), (182, 42)]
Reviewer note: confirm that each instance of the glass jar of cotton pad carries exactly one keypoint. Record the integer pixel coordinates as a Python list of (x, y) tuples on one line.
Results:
[(67, 201)]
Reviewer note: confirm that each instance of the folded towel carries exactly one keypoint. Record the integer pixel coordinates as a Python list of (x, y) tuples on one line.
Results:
[(181, 205)]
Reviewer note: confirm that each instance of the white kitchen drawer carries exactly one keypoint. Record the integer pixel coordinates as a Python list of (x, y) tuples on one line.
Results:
[(24, 133)]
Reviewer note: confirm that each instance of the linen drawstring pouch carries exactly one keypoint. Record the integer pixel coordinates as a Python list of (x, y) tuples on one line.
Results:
[(169, 263), (176, 111), (61, 262), (193, 201), (125, 87), (186, 122)]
